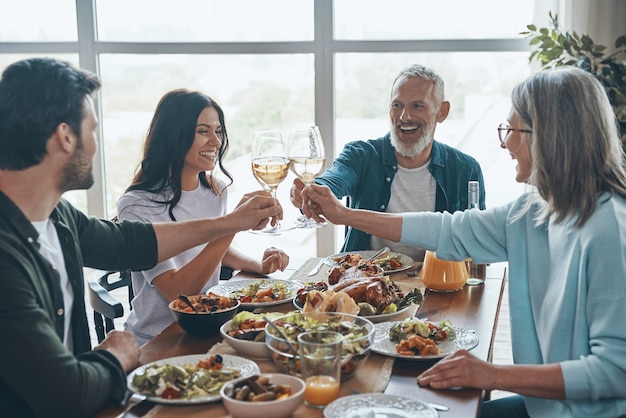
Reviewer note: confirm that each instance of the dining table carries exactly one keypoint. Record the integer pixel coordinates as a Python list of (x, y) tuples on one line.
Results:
[(475, 308)]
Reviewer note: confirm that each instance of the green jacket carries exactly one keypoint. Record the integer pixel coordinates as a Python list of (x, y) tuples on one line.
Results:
[(39, 377)]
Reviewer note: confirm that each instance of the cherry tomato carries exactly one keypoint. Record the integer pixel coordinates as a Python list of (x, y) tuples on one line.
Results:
[(170, 393)]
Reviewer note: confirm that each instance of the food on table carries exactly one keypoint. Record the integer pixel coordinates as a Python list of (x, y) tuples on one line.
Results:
[(259, 389), (416, 337), (261, 291), (250, 326), (210, 302), (357, 338), (417, 346), (390, 261), (308, 286), (330, 301), (345, 270), (170, 381)]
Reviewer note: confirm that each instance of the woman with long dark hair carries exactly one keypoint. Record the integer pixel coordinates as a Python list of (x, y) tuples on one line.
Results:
[(177, 181)]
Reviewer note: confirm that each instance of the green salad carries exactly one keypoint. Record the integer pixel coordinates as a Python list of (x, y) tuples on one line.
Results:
[(171, 381)]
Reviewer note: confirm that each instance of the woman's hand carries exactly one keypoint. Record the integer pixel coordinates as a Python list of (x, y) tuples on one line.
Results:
[(459, 369), (274, 259)]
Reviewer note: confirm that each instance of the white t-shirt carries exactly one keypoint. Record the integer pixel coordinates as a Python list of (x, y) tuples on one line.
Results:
[(51, 250), (150, 314), (412, 190)]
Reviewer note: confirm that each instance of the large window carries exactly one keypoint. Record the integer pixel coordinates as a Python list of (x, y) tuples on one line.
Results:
[(274, 63)]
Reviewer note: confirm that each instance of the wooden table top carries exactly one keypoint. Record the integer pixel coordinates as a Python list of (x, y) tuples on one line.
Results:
[(472, 307)]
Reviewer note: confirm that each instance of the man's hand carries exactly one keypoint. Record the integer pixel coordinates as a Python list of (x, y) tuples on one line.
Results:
[(274, 259), (320, 204), (295, 194), (123, 346), (255, 210)]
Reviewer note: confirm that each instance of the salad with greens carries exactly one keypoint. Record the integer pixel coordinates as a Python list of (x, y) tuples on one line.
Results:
[(171, 381), (436, 331)]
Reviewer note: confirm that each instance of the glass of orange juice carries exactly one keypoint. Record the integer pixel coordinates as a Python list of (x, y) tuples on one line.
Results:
[(443, 275), (320, 365)]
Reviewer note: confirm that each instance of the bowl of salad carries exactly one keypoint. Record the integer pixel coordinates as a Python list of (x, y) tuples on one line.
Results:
[(358, 338)]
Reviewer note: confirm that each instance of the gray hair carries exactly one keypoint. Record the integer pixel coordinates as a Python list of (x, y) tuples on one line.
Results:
[(420, 71), (575, 145)]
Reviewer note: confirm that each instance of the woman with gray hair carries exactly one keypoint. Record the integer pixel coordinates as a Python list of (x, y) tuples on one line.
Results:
[(565, 243)]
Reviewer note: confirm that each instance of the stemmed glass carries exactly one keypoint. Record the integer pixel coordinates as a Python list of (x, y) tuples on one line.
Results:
[(305, 150), (270, 166)]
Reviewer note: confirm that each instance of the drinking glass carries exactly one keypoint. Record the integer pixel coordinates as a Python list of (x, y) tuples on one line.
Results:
[(270, 166), (320, 365), (305, 150)]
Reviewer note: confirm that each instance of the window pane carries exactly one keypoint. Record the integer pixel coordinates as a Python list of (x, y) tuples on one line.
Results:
[(36, 20), (256, 92), (410, 19), (478, 87), (204, 20)]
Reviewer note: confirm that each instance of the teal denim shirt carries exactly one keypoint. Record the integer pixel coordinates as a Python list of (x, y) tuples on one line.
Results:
[(365, 170)]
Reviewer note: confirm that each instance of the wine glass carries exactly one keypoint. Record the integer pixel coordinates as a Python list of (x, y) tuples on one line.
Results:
[(305, 150), (270, 166)]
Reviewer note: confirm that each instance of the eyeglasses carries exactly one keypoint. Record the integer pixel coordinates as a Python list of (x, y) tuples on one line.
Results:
[(504, 130)]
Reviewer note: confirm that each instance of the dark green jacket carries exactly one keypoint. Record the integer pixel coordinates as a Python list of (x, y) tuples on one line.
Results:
[(39, 377), (365, 170)]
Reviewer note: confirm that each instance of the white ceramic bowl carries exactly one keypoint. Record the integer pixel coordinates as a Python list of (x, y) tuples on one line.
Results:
[(248, 349), (281, 408)]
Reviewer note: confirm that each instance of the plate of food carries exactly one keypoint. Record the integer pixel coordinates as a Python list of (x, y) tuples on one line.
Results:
[(390, 262), (417, 339), (190, 379), (259, 293), (382, 301)]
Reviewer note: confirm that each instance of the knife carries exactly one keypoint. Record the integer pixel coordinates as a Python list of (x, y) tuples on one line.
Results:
[(317, 268)]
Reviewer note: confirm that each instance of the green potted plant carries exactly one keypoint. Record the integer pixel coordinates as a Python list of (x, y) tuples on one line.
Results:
[(554, 48)]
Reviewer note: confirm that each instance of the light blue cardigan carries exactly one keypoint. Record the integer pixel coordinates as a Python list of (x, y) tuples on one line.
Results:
[(567, 293)]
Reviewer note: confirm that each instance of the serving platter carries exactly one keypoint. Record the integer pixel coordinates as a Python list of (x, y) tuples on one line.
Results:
[(464, 339), (245, 367), (236, 288), (406, 261), (378, 405), (374, 318)]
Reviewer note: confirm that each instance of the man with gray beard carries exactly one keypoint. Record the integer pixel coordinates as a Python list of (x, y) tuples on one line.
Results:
[(406, 170)]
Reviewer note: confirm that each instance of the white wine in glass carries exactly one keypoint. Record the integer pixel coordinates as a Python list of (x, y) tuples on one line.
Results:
[(270, 166), (305, 149)]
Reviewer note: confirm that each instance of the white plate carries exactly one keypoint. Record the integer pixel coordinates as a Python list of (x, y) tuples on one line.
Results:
[(406, 261), (378, 405), (246, 368), (374, 318), (236, 286), (465, 339)]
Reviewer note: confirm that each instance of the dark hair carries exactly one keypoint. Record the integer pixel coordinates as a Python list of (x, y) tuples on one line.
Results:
[(36, 95), (171, 134)]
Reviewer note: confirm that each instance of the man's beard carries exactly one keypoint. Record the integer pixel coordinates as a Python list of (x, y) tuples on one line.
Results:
[(77, 174), (410, 149)]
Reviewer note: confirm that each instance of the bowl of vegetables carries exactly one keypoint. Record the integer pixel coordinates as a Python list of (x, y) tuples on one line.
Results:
[(266, 395), (203, 315), (358, 337), (246, 333)]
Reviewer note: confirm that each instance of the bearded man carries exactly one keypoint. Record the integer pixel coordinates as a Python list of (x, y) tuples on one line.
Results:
[(406, 170)]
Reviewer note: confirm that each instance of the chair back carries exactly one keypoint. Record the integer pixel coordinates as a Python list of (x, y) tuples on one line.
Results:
[(105, 306)]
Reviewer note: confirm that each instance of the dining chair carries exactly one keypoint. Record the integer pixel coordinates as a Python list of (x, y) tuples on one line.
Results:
[(107, 307)]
